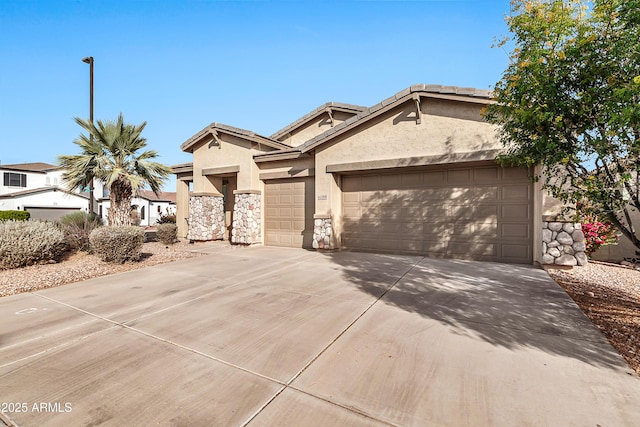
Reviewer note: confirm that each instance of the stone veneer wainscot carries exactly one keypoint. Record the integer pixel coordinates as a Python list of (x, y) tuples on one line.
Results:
[(322, 232), (246, 217), (563, 243), (206, 217)]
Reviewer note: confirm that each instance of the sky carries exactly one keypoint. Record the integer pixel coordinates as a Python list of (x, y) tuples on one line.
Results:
[(256, 65)]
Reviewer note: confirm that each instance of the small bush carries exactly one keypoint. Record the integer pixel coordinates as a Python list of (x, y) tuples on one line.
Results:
[(598, 233), (14, 215), (166, 219), (25, 243), (167, 233), (117, 244), (77, 226)]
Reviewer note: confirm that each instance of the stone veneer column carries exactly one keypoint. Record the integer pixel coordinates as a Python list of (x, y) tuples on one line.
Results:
[(322, 231), (246, 217), (563, 243), (206, 217)]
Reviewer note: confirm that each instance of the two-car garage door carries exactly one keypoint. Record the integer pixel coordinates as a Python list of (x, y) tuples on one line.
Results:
[(482, 212)]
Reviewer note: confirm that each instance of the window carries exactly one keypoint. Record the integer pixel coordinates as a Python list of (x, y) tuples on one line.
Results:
[(15, 179), (142, 212)]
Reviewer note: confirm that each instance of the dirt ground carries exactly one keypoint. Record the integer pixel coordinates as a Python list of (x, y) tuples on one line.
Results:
[(609, 294)]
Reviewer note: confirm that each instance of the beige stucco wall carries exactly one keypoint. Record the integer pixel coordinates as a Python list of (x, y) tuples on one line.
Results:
[(182, 203), (395, 135), (623, 249), (232, 151), (300, 167), (313, 128)]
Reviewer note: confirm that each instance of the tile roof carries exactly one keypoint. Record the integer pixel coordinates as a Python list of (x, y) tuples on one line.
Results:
[(247, 134), (163, 196), (337, 106), (30, 167), (41, 190)]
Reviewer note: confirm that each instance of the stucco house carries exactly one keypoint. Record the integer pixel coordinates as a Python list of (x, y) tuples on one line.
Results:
[(149, 206), (36, 187), (412, 174)]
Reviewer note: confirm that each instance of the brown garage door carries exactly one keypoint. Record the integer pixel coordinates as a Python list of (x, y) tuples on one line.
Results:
[(289, 212), (49, 214), (482, 212)]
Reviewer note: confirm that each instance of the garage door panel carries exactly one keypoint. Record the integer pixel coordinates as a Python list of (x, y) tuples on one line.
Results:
[(459, 176), (470, 212), (489, 174), (411, 180), (288, 213), (515, 212), (515, 251), (515, 231), (513, 174), (433, 178), (516, 192)]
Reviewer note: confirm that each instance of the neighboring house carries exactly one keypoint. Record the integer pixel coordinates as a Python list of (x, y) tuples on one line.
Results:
[(35, 187), (148, 205), (413, 174)]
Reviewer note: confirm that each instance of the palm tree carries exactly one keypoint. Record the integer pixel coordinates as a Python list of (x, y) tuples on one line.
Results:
[(111, 156)]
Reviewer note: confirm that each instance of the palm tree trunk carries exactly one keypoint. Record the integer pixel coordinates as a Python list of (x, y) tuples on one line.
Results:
[(120, 197)]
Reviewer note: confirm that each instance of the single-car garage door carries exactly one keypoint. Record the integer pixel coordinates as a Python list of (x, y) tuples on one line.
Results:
[(482, 212), (49, 214), (289, 212)]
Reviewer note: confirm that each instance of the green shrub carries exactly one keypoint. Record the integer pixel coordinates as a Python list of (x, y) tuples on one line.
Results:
[(25, 243), (14, 215), (117, 244), (167, 233), (77, 226), (167, 218)]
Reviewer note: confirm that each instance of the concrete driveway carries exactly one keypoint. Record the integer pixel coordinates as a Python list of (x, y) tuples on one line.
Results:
[(269, 336)]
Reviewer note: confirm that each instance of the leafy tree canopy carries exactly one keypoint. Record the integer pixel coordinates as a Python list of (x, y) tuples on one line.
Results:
[(570, 101)]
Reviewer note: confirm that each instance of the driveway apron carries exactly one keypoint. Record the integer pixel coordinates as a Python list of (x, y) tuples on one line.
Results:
[(277, 336)]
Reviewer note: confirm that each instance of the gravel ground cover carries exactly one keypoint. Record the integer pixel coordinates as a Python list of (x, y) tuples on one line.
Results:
[(609, 294), (83, 266)]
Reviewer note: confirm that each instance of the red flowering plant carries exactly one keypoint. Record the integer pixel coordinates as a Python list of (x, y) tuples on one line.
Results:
[(598, 233)]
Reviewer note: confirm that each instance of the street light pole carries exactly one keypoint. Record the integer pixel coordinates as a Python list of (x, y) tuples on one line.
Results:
[(89, 60)]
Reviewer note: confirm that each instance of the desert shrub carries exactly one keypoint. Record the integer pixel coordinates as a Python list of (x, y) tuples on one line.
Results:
[(117, 244), (167, 218), (77, 226), (25, 243), (167, 233), (598, 233), (14, 215)]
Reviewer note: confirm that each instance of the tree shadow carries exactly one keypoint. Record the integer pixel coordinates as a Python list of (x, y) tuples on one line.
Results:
[(508, 305)]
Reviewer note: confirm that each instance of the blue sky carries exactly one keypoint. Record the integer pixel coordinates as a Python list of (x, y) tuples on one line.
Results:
[(258, 65)]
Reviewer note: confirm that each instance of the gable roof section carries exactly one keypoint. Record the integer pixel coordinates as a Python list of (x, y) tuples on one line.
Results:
[(163, 196), (41, 190), (332, 106), (248, 135), (38, 167), (454, 93)]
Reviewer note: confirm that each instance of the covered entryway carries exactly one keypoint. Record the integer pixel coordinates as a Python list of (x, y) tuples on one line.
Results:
[(289, 212), (50, 213), (481, 212)]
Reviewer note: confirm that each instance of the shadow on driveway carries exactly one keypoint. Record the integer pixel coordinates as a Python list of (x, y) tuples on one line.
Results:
[(507, 305)]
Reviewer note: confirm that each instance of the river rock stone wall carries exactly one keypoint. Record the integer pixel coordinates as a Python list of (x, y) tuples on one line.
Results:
[(563, 243), (206, 217), (322, 232), (246, 218)]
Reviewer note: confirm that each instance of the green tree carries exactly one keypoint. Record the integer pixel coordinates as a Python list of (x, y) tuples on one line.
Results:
[(570, 101), (112, 156)]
